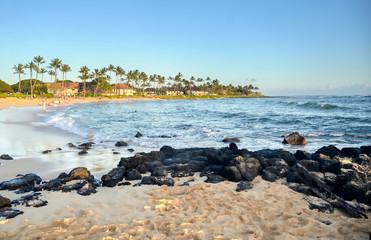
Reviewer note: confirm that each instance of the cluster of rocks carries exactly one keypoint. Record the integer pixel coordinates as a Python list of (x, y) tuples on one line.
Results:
[(346, 172)]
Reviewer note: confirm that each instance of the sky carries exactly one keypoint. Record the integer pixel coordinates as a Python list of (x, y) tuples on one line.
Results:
[(285, 47)]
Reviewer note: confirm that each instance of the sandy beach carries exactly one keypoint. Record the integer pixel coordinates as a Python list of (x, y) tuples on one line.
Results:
[(270, 210)]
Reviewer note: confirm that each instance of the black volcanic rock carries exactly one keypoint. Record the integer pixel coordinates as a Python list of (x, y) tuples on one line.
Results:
[(231, 140), (138, 135), (121, 144), (330, 151), (26, 181), (114, 176), (5, 157)]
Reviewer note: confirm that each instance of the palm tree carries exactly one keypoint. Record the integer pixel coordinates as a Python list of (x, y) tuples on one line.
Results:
[(143, 76), (31, 66), (19, 69), (84, 75), (51, 73), (111, 69), (42, 71), (39, 60), (65, 68), (119, 73), (55, 63)]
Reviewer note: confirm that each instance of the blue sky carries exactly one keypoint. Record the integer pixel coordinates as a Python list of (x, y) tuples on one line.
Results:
[(290, 47)]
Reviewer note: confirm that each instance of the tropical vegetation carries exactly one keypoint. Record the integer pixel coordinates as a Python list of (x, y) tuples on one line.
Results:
[(101, 81)]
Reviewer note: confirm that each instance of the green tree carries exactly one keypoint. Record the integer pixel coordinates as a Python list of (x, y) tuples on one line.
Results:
[(111, 69), (32, 67), (84, 71), (65, 69), (51, 73), (38, 60), (42, 71), (19, 69), (55, 64)]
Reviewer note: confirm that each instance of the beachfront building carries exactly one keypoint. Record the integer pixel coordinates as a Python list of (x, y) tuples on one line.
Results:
[(67, 88), (173, 92), (197, 91), (123, 89), (151, 91)]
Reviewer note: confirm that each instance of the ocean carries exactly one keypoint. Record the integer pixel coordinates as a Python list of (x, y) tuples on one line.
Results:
[(259, 123)]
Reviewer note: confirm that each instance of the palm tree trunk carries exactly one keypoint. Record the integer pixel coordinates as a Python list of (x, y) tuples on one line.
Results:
[(55, 69), (19, 84), (84, 87)]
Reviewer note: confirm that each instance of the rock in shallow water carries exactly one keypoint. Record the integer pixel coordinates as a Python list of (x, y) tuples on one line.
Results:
[(24, 182), (5, 157), (295, 139)]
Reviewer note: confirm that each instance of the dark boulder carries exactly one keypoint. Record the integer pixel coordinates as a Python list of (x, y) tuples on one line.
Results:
[(293, 177), (113, 177), (279, 171), (248, 167), (148, 166), (330, 151), (233, 146), (214, 179), (30, 200), (159, 172), (331, 179), (277, 162), (46, 151), (295, 139), (326, 163), (365, 198), (4, 202), (71, 145), (138, 135), (86, 189), (79, 173), (10, 213), (283, 154), (310, 165), (261, 159), (72, 187), (141, 158), (211, 170), (94, 181), (269, 176), (352, 190), (319, 204), (300, 155), (168, 151), (244, 186), (151, 180), (185, 173), (133, 174), (131, 150), (82, 152), (345, 175), (86, 146), (300, 187), (231, 173), (5, 157), (366, 150), (121, 144), (206, 152), (350, 152), (231, 140), (26, 181), (51, 185)]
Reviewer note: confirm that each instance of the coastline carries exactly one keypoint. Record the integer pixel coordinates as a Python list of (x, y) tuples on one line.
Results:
[(200, 210)]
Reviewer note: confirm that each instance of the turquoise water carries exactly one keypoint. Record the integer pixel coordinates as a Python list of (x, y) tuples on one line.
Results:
[(258, 122)]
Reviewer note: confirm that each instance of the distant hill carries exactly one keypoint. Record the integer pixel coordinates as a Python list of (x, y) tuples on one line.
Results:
[(25, 85), (5, 88)]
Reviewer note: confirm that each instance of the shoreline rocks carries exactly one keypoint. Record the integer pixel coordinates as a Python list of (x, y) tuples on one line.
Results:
[(345, 173)]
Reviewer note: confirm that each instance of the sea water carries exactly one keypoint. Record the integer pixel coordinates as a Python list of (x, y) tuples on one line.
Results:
[(259, 123)]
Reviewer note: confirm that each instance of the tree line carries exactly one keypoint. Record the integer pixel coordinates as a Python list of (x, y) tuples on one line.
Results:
[(139, 80)]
